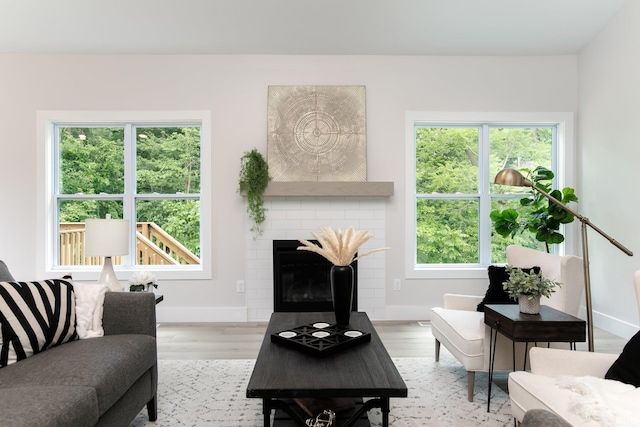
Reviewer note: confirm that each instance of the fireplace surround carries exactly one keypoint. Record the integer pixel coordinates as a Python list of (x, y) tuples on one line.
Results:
[(301, 279), (294, 218)]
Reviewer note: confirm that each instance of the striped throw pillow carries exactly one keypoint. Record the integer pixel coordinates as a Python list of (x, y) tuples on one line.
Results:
[(35, 316)]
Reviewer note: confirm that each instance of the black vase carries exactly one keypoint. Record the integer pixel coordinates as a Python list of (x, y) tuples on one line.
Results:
[(342, 292)]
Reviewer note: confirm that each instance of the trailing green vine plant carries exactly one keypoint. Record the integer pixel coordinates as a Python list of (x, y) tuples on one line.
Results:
[(253, 179), (545, 217)]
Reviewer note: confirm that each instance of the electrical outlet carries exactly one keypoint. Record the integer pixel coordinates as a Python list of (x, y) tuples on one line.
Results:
[(240, 286), (397, 284)]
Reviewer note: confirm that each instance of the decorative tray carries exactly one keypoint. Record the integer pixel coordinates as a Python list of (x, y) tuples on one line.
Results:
[(321, 338)]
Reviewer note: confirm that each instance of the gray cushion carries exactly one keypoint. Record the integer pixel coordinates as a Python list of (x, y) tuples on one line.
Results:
[(128, 407), (542, 418), (41, 406), (110, 365), (5, 276)]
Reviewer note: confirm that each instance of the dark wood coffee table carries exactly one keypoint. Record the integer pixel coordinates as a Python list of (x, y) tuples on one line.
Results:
[(282, 372)]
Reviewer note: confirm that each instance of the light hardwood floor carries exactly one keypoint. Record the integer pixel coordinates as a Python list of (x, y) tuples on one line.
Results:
[(242, 341)]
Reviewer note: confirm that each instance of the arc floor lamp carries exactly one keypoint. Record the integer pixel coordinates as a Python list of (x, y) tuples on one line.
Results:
[(514, 178)]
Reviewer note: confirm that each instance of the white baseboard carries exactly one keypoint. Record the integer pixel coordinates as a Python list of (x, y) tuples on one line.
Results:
[(407, 312), (612, 325), (239, 314), (203, 314)]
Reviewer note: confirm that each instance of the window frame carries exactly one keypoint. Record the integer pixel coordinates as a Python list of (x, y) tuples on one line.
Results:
[(48, 180), (564, 162)]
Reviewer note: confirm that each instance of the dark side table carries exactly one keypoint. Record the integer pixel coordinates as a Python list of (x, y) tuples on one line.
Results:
[(550, 325)]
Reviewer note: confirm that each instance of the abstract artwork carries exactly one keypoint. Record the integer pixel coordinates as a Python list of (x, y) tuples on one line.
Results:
[(317, 133)]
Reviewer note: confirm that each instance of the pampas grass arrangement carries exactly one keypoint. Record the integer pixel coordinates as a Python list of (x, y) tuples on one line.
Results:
[(340, 249)]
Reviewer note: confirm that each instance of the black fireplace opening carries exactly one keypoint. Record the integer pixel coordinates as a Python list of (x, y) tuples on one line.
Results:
[(301, 279)]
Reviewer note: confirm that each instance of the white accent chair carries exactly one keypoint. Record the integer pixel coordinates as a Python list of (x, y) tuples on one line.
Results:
[(461, 329), (538, 389)]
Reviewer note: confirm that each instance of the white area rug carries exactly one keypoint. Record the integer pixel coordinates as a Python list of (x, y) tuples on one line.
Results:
[(212, 393)]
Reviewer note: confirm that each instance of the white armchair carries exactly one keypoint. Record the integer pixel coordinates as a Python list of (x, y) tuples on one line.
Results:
[(539, 389), (461, 329)]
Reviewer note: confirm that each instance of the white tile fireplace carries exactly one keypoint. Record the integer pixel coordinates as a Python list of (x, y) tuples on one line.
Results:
[(293, 217)]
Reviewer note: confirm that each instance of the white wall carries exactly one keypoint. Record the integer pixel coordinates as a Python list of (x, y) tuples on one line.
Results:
[(234, 89), (609, 111)]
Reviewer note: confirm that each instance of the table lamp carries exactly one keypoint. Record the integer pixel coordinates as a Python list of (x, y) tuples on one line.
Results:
[(515, 178), (107, 237)]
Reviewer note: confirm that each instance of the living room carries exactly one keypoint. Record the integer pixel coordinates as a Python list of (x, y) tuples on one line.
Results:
[(595, 82)]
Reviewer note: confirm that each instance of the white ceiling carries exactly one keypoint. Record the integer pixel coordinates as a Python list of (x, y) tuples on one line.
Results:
[(313, 27)]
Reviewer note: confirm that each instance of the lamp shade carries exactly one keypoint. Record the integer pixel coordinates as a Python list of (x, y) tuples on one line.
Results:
[(512, 177), (106, 237)]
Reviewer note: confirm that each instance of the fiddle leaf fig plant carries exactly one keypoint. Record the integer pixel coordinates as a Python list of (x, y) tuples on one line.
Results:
[(253, 180), (528, 283), (545, 217)]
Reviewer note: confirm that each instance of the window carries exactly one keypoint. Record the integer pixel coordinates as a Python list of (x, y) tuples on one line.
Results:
[(452, 164), (149, 168)]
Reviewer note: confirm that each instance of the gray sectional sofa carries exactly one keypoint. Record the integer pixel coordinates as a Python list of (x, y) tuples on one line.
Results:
[(103, 381)]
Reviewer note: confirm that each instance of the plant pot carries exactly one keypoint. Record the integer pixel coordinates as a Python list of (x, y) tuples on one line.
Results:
[(341, 278), (529, 306)]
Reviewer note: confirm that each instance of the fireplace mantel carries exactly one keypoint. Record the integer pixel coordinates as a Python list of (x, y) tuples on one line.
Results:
[(318, 188)]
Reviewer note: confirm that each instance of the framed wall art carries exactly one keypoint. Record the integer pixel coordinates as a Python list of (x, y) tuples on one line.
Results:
[(317, 133)]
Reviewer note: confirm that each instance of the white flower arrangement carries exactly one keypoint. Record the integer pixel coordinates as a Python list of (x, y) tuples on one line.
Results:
[(340, 249), (142, 281)]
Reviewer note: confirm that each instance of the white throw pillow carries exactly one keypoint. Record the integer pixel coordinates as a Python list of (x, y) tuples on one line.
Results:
[(89, 309)]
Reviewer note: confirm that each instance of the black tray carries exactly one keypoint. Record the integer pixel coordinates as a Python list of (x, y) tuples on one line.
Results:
[(321, 338)]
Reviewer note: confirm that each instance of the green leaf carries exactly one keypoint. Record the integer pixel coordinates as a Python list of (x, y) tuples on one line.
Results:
[(528, 283), (545, 217), (527, 201), (505, 222), (569, 195), (542, 174), (510, 215)]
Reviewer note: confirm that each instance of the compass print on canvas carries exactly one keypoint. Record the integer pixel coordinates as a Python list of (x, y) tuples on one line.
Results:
[(317, 133)]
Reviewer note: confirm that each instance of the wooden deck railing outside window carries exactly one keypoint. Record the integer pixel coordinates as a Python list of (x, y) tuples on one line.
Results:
[(154, 246)]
